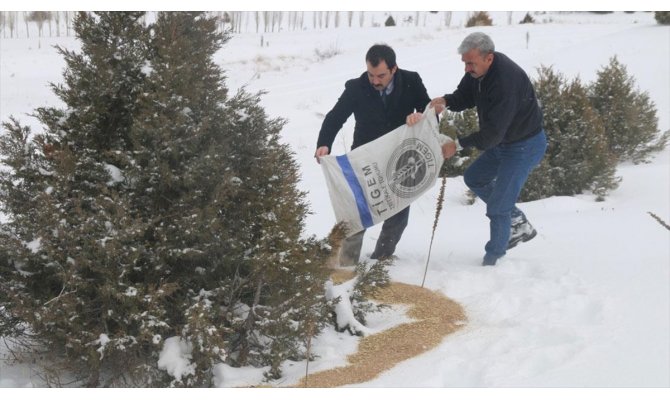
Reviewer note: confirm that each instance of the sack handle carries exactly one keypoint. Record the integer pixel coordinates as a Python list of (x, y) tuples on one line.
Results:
[(430, 111)]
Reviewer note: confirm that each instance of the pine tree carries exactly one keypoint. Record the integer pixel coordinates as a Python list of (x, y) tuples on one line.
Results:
[(527, 19), (230, 189), (662, 17), (64, 202), (455, 125), (153, 206), (629, 116), (577, 158), (479, 18)]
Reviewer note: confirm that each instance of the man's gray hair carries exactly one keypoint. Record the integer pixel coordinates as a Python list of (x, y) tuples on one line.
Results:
[(477, 40)]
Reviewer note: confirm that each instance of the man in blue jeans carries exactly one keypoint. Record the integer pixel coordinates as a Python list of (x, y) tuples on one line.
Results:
[(510, 134)]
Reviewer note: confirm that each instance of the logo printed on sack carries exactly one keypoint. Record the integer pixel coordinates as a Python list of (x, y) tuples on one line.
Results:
[(411, 168)]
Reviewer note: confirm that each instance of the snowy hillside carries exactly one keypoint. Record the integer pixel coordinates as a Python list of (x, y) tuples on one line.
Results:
[(584, 304)]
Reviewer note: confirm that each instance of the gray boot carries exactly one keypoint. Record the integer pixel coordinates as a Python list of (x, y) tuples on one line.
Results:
[(350, 252), (521, 231)]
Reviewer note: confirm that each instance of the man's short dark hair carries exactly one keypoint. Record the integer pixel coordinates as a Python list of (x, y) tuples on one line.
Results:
[(379, 53)]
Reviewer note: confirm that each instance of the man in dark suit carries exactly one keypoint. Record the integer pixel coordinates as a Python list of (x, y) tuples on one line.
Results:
[(380, 99)]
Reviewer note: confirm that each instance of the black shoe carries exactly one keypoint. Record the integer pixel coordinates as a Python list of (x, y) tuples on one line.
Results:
[(522, 231), (381, 257)]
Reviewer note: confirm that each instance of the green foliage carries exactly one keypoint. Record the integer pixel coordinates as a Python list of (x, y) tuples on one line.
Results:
[(629, 116), (590, 128), (368, 282), (479, 18), (527, 19), (577, 157), (65, 208), (454, 125), (10, 324), (662, 17), (156, 205), (351, 302)]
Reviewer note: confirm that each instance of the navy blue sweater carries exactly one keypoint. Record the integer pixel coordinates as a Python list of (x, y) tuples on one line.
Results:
[(506, 104)]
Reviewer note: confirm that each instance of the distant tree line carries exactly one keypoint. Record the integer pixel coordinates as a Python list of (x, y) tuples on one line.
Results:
[(54, 20), (59, 23)]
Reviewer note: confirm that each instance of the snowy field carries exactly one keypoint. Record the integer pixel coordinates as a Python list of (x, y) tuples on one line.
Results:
[(586, 304)]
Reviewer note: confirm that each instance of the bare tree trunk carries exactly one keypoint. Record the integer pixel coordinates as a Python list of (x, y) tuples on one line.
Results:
[(509, 17), (361, 18), (57, 18), (337, 19), (249, 324), (25, 19), (266, 20), (13, 17), (68, 19), (447, 18), (280, 19), (350, 17), (327, 18)]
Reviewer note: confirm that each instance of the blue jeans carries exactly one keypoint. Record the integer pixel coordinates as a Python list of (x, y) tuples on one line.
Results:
[(497, 177)]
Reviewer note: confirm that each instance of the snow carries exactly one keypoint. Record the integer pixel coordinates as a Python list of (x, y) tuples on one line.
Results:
[(103, 340), (175, 358), (586, 304), (34, 245), (343, 309), (115, 174)]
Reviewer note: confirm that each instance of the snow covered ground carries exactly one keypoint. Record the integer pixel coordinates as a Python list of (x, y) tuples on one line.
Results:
[(586, 304)]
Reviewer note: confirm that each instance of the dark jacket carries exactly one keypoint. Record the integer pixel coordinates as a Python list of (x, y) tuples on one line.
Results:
[(372, 120), (506, 104)]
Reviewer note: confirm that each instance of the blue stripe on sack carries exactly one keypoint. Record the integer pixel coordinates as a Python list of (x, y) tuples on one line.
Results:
[(356, 189)]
